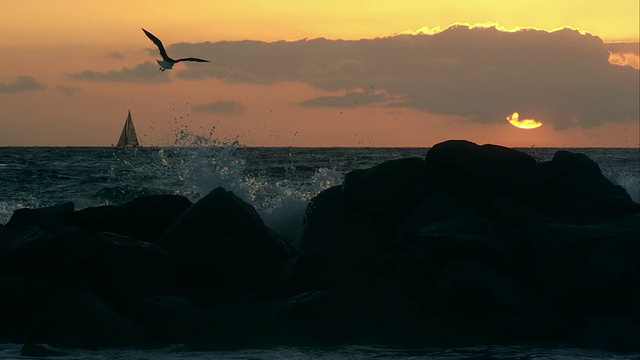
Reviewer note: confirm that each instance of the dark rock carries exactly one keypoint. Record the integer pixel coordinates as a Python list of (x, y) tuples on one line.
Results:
[(515, 212), (489, 289), (613, 333), (343, 261), (122, 269), (144, 218), (464, 237), (117, 267), (47, 218), (34, 253), (221, 238), (474, 245), (387, 192), (571, 188), (434, 207), (15, 307), (86, 321), (172, 319), (326, 214), (480, 172), (587, 268)]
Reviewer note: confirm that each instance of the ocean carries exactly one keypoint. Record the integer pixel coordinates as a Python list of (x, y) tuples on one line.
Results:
[(12, 351), (278, 182)]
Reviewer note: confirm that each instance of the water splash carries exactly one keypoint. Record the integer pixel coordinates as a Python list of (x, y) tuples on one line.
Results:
[(280, 202), (201, 169)]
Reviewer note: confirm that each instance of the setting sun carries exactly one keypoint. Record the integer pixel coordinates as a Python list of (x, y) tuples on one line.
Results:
[(526, 124)]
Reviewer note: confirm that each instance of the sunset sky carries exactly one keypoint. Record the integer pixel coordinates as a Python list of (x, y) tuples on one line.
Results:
[(330, 73)]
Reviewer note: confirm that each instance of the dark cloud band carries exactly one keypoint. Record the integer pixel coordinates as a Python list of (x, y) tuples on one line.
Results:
[(562, 77), (22, 84)]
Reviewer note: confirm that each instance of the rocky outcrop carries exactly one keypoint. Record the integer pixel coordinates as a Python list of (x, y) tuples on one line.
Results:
[(225, 249), (472, 245)]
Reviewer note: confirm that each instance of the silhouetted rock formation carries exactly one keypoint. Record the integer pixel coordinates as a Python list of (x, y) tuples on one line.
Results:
[(472, 245)]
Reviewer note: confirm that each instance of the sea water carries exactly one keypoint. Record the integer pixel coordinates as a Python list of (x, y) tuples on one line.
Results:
[(278, 182), (12, 351)]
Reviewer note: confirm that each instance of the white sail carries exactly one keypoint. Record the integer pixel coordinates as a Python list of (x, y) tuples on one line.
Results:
[(128, 136)]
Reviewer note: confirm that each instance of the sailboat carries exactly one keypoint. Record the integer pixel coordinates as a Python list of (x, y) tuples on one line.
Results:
[(128, 136)]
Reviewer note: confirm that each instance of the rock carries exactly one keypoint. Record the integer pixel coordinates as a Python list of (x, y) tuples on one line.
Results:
[(33, 253), (222, 240), (77, 260), (16, 307), (611, 332), (387, 192), (480, 172), (515, 212), (343, 261), (473, 286), (86, 321), (473, 245), (571, 188), (434, 207), (47, 218), (391, 183), (326, 214), (144, 218), (172, 319), (586, 268), (122, 269), (464, 237), (249, 324)]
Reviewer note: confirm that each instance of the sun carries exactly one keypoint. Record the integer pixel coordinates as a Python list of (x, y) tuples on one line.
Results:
[(527, 124)]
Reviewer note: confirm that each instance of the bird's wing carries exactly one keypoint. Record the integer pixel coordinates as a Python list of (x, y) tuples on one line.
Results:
[(192, 59), (158, 43)]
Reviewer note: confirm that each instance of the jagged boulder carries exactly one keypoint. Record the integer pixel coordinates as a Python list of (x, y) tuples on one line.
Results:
[(343, 261), (74, 259), (480, 172), (144, 218), (85, 321), (326, 214), (571, 188), (586, 268), (47, 218), (172, 319), (221, 240), (387, 192)]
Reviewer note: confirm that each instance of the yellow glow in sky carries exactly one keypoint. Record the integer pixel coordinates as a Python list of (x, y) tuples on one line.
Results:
[(80, 21)]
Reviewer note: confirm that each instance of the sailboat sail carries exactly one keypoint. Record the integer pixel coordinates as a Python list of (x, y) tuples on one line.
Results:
[(128, 136)]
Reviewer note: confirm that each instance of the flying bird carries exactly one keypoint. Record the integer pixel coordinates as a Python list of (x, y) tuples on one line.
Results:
[(167, 63)]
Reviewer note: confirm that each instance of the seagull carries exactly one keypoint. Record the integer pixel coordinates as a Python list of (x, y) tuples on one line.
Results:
[(167, 63)]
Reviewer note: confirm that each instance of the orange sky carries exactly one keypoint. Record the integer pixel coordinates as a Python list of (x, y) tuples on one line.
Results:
[(49, 40)]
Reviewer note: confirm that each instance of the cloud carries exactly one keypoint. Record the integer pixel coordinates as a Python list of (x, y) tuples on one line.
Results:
[(221, 107), (22, 84), (624, 54), (349, 100), (68, 90), (116, 55), (146, 72), (563, 77)]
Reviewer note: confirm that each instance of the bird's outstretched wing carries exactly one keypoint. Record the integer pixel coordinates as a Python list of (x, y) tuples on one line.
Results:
[(158, 43), (192, 59)]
